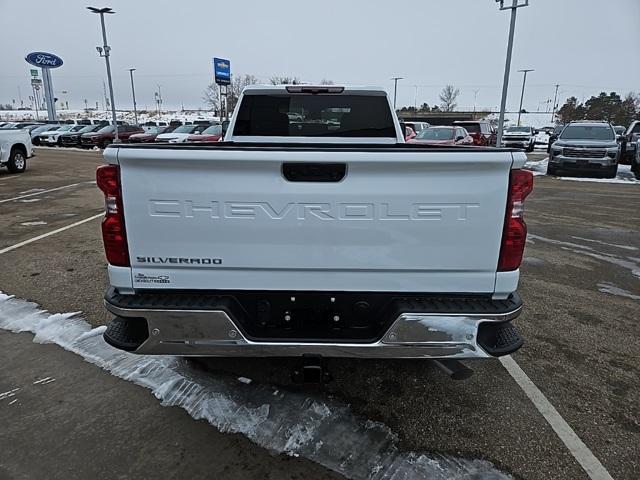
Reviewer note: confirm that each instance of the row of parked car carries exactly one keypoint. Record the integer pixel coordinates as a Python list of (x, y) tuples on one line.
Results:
[(595, 147), (587, 146), (479, 133), (99, 133)]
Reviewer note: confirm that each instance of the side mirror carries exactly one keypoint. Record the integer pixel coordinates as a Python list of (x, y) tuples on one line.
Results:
[(459, 137)]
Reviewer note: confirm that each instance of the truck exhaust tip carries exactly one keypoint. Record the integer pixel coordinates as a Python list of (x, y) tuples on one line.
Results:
[(455, 369)]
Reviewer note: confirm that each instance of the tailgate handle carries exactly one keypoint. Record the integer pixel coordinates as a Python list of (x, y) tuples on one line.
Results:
[(314, 172)]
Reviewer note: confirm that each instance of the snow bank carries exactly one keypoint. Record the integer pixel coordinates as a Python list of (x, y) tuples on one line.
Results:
[(320, 429), (539, 167)]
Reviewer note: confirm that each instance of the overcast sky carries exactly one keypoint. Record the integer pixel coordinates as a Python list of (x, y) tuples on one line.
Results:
[(586, 46)]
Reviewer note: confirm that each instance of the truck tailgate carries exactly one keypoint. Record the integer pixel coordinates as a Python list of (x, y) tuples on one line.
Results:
[(400, 220)]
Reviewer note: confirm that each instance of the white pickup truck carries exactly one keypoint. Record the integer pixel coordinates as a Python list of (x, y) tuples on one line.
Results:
[(15, 148), (313, 229)]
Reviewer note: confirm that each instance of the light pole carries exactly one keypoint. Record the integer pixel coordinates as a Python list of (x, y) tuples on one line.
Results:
[(524, 81), (36, 100), (107, 49), (555, 98), (395, 90), (475, 99), (133, 93), (515, 4), (159, 99)]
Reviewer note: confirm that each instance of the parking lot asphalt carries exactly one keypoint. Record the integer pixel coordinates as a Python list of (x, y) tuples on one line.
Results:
[(579, 281)]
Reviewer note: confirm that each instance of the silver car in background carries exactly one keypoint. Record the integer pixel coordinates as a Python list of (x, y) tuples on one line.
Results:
[(585, 146)]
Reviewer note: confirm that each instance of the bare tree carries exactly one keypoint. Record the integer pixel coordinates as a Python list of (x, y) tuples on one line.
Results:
[(448, 98), (284, 80), (211, 94), (325, 81)]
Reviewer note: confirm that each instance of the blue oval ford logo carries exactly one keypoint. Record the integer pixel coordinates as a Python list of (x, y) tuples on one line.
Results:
[(43, 60)]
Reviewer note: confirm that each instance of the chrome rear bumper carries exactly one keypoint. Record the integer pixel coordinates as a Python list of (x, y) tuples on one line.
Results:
[(214, 333)]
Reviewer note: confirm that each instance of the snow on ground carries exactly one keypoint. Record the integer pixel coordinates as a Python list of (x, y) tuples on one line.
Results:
[(624, 176), (632, 264), (614, 245), (619, 259), (538, 168), (127, 116), (313, 426), (607, 287)]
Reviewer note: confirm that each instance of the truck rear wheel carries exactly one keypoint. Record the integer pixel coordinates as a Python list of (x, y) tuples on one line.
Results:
[(17, 160), (552, 170)]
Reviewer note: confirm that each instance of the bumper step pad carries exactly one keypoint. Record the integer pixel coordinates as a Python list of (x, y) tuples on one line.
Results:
[(499, 339), (126, 333)]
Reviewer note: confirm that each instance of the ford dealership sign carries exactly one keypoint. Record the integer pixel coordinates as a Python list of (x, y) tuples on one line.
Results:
[(43, 60)]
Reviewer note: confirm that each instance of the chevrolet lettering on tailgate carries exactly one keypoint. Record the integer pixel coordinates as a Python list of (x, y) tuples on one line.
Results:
[(305, 211)]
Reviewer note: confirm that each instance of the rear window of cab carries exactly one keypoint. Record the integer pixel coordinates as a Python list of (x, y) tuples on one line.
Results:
[(308, 115)]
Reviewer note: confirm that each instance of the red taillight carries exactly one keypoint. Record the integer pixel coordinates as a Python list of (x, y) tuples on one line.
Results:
[(514, 234), (114, 236)]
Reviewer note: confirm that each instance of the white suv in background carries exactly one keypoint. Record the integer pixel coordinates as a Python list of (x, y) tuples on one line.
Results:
[(52, 137), (15, 148), (519, 137), (181, 133)]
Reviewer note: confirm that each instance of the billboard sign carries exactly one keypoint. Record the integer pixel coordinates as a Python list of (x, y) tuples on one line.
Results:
[(43, 60), (222, 71)]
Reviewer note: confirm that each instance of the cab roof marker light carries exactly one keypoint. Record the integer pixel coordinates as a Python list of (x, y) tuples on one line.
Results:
[(314, 89)]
